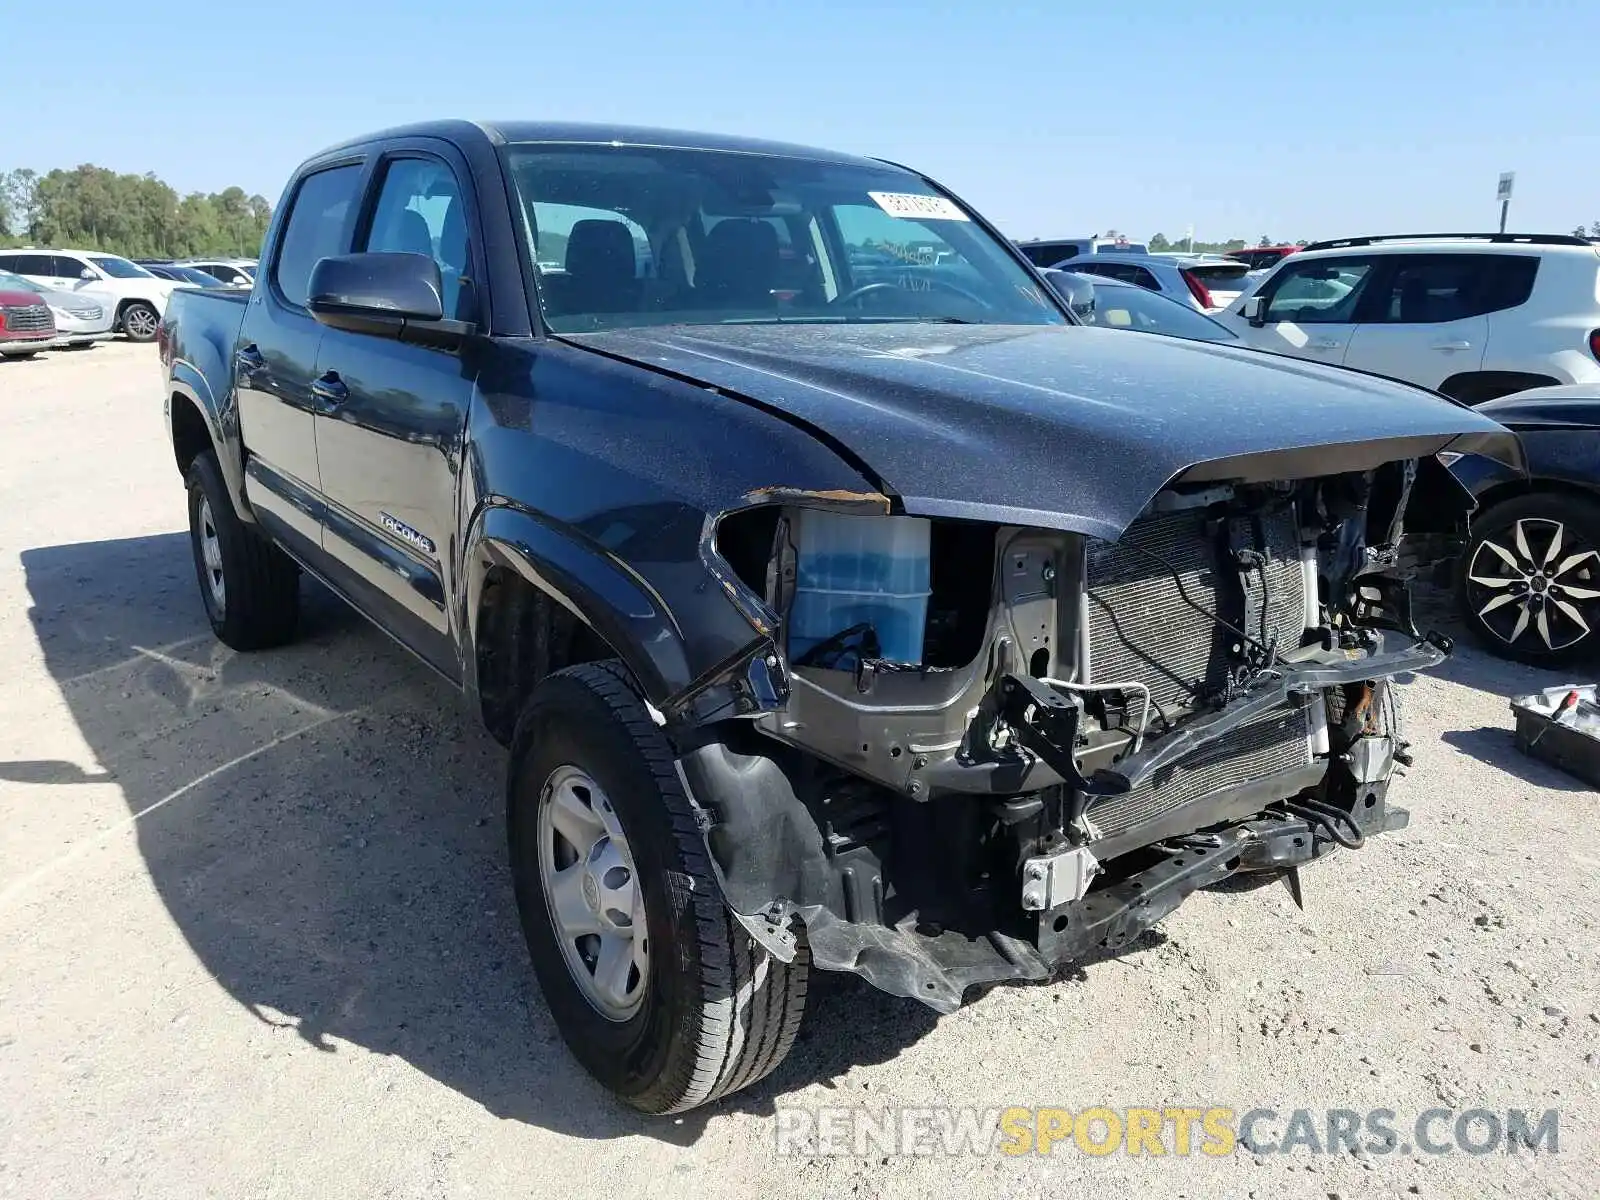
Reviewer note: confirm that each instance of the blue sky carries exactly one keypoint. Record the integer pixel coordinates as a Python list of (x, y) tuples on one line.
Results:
[(1340, 117)]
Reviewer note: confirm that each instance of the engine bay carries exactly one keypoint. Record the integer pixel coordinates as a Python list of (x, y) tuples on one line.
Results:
[(1069, 714)]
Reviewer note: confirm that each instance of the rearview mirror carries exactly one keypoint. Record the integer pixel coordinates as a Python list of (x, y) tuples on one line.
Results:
[(1255, 311), (384, 293)]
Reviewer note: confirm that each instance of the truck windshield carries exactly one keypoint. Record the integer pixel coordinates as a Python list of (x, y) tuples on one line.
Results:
[(626, 236)]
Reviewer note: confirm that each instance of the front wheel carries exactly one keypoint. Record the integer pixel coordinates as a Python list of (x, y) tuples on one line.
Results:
[(140, 321), (656, 990), (1528, 583), (250, 588)]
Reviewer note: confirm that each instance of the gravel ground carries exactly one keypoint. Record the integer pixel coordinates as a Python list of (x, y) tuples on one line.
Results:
[(257, 937)]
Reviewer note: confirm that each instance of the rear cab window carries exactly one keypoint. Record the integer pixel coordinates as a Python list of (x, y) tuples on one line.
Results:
[(317, 226), (1048, 254)]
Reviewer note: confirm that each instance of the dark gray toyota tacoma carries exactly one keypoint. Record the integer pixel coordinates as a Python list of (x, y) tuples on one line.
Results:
[(843, 603)]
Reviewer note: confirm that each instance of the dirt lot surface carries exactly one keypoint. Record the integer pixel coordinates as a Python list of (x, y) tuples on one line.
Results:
[(257, 936)]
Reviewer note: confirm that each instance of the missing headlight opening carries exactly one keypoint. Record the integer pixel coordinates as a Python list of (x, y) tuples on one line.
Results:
[(1006, 747)]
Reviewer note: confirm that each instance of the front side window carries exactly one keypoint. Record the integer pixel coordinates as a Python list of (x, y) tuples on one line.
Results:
[(1321, 291), (119, 268), (627, 236), (63, 267), (419, 211), (318, 218)]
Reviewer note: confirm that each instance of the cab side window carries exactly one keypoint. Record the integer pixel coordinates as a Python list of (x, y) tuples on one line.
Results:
[(419, 211), (319, 216)]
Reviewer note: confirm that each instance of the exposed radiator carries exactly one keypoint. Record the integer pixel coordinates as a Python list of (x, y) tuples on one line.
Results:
[(1141, 628), (1278, 741)]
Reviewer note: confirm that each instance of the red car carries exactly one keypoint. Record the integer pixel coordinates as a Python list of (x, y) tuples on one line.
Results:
[(26, 325), (1264, 256)]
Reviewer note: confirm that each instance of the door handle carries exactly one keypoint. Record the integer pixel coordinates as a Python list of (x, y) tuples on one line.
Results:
[(1458, 345), (330, 389), (1322, 344), (249, 358)]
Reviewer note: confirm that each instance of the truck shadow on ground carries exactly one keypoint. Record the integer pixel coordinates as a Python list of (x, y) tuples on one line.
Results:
[(324, 824)]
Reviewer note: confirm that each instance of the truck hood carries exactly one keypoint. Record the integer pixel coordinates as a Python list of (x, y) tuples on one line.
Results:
[(1056, 427)]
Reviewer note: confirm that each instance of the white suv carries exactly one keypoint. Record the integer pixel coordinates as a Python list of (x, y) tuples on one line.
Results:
[(136, 297), (1474, 316)]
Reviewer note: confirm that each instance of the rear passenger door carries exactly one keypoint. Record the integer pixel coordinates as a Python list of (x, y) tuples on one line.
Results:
[(390, 437), (275, 359), (1311, 308), (1428, 322)]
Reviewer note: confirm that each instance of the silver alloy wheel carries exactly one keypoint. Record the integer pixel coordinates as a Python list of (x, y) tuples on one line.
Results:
[(211, 555), (140, 322), (592, 893), (1530, 596)]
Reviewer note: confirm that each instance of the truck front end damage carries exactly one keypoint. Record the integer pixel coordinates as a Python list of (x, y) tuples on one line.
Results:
[(1023, 746)]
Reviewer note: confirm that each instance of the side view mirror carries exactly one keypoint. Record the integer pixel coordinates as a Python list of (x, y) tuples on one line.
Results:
[(87, 274), (386, 294), (1255, 311), (1075, 290)]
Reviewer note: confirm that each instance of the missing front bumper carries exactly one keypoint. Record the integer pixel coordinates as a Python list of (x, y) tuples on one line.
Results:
[(940, 968)]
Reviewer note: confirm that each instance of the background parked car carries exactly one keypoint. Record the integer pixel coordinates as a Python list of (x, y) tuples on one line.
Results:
[(1101, 300), (1186, 280), (26, 326), (1257, 257), (180, 273), (230, 272), (135, 296), (1474, 316), (80, 320), (1048, 252), (1528, 582)]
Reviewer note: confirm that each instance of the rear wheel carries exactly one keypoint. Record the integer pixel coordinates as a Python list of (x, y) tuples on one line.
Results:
[(140, 321), (1528, 583), (656, 990), (250, 588)]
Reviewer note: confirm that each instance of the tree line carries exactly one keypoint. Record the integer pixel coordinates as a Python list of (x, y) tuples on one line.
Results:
[(138, 216)]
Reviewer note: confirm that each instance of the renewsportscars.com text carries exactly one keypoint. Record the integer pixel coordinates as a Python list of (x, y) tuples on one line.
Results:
[(1168, 1130)]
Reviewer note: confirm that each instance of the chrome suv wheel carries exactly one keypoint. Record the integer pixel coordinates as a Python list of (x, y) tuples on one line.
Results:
[(1529, 582)]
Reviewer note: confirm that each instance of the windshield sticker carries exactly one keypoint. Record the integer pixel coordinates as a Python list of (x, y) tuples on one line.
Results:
[(909, 204)]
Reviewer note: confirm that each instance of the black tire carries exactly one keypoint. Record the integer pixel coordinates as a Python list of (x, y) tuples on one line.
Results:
[(718, 1013), (138, 322), (1493, 610), (260, 604)]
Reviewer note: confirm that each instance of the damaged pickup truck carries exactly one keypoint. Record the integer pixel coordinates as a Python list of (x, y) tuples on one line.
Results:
[(843, 603)]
